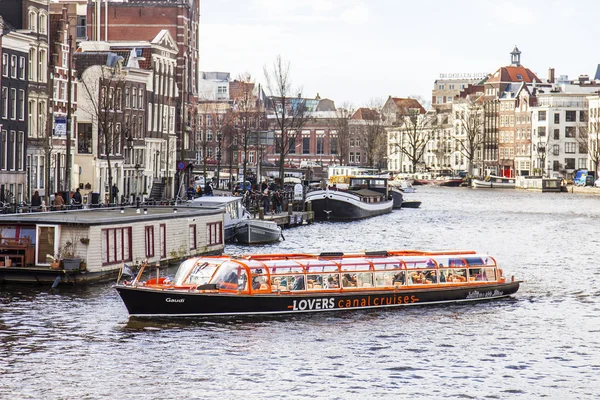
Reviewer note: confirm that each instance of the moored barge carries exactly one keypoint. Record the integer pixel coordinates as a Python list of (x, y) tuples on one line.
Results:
[(295, 283)]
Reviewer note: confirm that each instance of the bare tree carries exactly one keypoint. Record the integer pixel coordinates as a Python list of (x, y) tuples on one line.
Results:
[(469, 118), (342, 127), (247, 116), (289, 112), (416, 130), (103, 88)]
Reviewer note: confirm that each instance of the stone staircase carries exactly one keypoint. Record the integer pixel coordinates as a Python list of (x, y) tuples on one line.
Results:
[(158, 191)]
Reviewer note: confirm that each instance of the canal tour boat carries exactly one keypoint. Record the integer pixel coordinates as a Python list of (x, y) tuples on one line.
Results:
[(296, 283), (351, 198)]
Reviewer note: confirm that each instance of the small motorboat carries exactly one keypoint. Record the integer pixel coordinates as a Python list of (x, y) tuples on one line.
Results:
[(411, 204), (264, 284), (494, 182), (255, 231)]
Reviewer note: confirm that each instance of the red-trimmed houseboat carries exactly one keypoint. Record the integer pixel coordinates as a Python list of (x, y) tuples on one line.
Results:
[(292, 283)]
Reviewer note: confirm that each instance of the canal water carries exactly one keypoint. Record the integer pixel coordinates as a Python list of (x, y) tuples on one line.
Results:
[(78, 343)]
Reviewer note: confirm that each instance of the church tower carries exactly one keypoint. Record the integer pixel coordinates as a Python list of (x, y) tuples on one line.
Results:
[(515, 57)]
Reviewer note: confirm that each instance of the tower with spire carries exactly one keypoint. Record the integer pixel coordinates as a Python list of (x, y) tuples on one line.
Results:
[(515, 57)]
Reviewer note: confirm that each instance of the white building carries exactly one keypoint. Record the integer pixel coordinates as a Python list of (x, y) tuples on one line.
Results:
[(214, 86), (558, 144)]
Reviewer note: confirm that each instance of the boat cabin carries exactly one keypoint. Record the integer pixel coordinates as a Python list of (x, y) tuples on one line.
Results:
[(265, 274), (93, 244)]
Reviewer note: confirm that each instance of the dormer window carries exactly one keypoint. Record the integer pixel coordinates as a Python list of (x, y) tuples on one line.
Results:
[(520, 77)]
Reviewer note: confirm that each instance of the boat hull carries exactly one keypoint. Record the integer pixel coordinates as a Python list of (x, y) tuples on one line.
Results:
[(411, 204), (397, 197), (147, 302), (344, 206), (257, 232)]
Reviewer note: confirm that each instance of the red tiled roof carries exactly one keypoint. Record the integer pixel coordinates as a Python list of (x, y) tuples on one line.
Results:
[(513, 73), (404, 105), (365, 114)]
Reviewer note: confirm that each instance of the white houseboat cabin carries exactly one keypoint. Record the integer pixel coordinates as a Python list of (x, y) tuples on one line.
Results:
[(92, 245)]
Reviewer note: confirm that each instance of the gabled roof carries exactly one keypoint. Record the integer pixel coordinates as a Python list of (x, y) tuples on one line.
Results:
[(404, 105), (365, 114), (165, 39), (513, 73)]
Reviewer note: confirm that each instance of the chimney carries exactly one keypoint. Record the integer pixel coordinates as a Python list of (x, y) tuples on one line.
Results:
[(550, 75)]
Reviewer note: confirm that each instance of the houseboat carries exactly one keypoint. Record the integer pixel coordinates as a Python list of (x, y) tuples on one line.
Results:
[(494, 182), (91, 245), (349, 198), (541, 184), (232, 206), (299, 283)]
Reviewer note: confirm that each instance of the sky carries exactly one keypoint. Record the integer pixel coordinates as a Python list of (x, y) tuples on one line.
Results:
[(359, 52)]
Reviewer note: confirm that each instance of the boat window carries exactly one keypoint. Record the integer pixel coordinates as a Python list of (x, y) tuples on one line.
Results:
[(349, 280), (353, 265), (320, 266), (383, 279), (365, 279), (419, 263), (280, 283), (387, 265), (331, 281), (228, 276), (453, 275), (260, 279), (482, 274), (473, 261), (201, 274), (296, 282), (424, 277), (314, 281)]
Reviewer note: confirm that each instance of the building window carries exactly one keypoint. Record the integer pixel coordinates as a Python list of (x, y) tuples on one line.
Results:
[(43, 65), (4, 102), (557, 134), (583, 148), (84, 138), (439, 99), (32, 62), (149, 235), (556, 150), (440, 87), (541, 131), (570, 147), (126, 97), (116, 243), (320, 145), (21, 105), (5, 64), (42, 23), (215, 233), (292, 147), (448, 99), (3, 143), (555, 165), (134, 98), (306, 145), (192, 237), (557, 118), (582, 163), (541, 115), (571, 116), (13, 103), (19, 151), (582, 116), (333, 145), (569, 163), (13, 66), (570, 131), (22, 68), (33, 21)]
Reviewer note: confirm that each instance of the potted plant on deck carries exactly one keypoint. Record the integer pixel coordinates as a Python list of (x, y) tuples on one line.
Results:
[(68, 256)]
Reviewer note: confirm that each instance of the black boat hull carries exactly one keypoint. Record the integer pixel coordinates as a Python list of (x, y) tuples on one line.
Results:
[(147, 302), (342, 206)]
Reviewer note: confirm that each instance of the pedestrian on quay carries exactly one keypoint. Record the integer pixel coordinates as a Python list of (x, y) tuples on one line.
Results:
[(208, 189), (266, 201), (36, 201), (77, 200), (115, 192), (59, 202)]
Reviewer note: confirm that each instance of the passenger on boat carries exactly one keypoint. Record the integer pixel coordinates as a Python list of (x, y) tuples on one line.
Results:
[(332, 282), (298, 283), (399, 278), (259, 283), (349, 280)]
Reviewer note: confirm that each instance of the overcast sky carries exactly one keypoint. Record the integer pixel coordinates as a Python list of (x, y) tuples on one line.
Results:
[(359, 51)]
